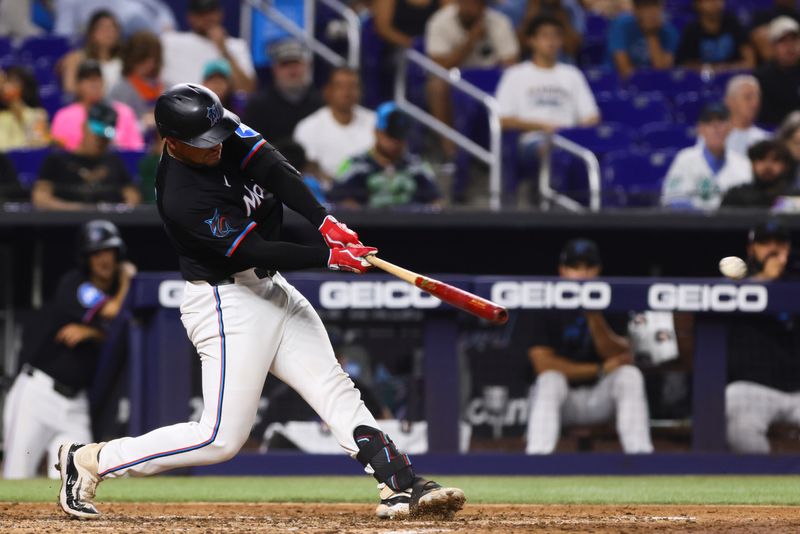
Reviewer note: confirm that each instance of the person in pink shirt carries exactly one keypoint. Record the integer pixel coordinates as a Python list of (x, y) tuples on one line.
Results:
[(67, 127)]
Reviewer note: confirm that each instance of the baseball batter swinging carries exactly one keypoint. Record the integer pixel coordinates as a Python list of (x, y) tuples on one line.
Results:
[(220, 187)]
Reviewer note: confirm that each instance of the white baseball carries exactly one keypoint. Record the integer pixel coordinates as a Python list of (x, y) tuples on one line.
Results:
[(733, 267)]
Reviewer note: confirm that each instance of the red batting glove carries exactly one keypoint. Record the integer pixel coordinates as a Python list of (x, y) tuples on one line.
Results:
[(336, 234), (351, 258)]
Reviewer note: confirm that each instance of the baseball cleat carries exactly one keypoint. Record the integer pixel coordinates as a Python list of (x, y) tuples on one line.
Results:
[(77, 464), (423, 498)]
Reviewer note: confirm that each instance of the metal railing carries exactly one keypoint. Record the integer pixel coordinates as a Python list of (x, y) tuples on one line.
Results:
[(548, 196), (493, 156), (306, 35)]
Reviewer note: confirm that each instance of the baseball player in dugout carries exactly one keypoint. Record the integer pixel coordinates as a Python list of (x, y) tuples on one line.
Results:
[(584, 367), (763, 367), (48, 402), (220, 189)]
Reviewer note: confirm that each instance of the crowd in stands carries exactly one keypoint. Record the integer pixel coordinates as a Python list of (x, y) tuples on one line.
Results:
[(682, 89)]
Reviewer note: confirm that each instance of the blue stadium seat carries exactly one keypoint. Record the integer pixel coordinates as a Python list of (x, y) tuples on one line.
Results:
[(51, 99), (131, 159), (27, 163), (663, 135), (376, 88), (636, 110), (669, 82), (688, 106), (592, 52), (5, 46), (601, 139), (49, 46), (633, 179), (602, 79), (596, 26), (717, 84)]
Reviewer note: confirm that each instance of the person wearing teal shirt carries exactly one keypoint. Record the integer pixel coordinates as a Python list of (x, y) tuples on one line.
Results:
[(642, 39)]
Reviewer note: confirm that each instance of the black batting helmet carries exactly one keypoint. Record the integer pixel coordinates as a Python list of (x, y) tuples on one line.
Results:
[(193, 114), (99, 235)]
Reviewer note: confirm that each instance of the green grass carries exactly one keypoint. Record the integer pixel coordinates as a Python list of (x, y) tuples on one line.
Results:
[(783, 490)]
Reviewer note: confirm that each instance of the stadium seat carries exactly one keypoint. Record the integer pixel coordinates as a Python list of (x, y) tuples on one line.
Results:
[(51, 99), (376, 88), (5, 46), (663, 135), (593, 52), (50, 46), (27, 163), (717, 84), (687, 107), (633, 179), (601, 139), (596, 26), (131, 159), (636, 110), (669, 82), (601, 79)]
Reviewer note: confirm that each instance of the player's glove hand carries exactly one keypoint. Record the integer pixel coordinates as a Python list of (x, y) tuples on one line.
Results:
[(336, 234), (351, 258)]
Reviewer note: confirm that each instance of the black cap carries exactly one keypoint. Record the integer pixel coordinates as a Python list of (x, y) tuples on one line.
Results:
[(580, 251), (88, 68), (712, 112), (767, 230), (102, 120), (99, 235), (392, 121), (201, 6), (193, 114)]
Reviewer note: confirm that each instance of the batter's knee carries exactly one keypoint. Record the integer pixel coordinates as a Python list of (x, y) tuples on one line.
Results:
[(552, 384), (628, 380), (223, 448)]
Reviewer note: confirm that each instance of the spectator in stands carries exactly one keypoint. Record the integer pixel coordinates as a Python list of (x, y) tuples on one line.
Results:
[(23, 123), (773, 177), (187, 53), (543, 94), (465, 34), (275, 111), (91, 174), (102, 43), (608, 8), (387, 175), (789, 135), (67, 128), (141, 84), (10, 188), (16, 19), (701, 174), (567, 12), (642, 39), (780, 79), (763, 367), (583, 365), (759, 28), (743, 100), (217, 76), (134, 16), (715, 42), (340, 130), (398, 22)]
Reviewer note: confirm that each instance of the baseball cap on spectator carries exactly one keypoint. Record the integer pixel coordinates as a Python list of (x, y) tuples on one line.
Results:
[(217, 67), (714, 112), (781, 27), (203, 6), (390, 120), (102, 119), (768, 230), (288, 50), (580, 251), (89, 68)]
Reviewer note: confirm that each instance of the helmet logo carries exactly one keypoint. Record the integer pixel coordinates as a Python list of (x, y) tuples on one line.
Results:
[(213, 114), (219, 225)]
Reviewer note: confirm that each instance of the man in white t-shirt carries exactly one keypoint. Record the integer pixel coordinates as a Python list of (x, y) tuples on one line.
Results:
[(700, 175), (466, 34), (743, 100), (543, 94), (334, 133), (187, 53)]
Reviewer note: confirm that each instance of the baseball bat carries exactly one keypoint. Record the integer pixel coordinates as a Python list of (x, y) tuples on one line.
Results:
[(463, 300)]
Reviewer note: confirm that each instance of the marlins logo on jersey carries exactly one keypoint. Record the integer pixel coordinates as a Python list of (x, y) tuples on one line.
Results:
[(219, 225)]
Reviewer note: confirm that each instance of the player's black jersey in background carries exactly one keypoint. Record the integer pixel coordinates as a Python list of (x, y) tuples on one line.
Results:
[(208, 211)]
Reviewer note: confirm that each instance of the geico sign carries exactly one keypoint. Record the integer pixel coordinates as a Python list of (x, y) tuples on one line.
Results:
[(562, 295), (170, 293), (701, 297), (374, 295)]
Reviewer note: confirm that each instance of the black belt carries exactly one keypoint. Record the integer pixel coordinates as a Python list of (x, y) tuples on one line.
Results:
[(63, 389), (260, 273)]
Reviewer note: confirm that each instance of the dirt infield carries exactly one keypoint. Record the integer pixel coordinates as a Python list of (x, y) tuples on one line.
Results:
[(349, 518)]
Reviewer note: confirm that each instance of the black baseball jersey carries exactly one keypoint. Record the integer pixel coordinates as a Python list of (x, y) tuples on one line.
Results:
[(208, 211), (76, 300)]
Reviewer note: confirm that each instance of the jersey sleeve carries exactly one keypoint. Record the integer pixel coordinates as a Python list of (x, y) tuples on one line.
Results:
[(247, 152), (219, 227), (78, 300)]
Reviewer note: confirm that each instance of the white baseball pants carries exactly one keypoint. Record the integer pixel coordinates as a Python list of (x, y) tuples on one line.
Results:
[(751, 408), (620, 393), (242, 331), (36, 420)]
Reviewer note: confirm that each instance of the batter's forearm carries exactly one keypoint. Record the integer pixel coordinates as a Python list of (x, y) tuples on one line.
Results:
[(279, 255), (286, 183)]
